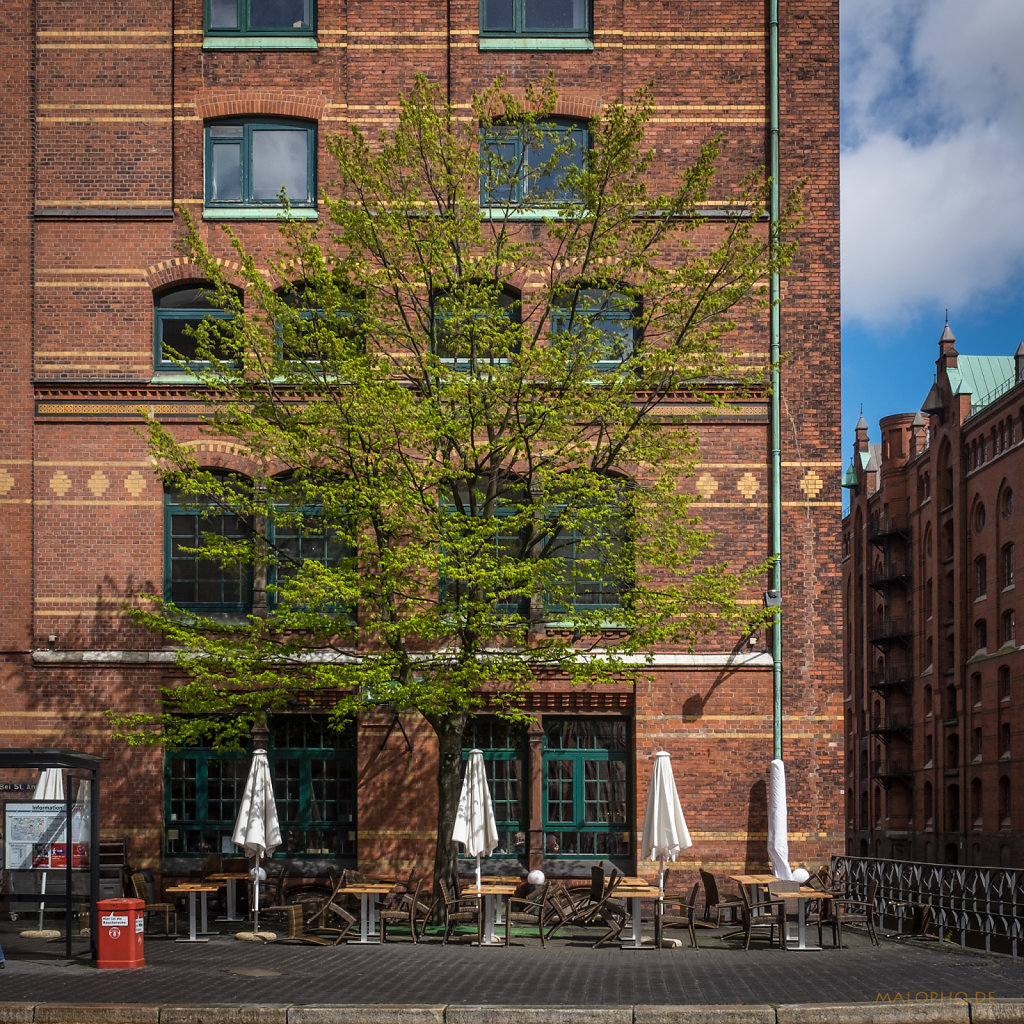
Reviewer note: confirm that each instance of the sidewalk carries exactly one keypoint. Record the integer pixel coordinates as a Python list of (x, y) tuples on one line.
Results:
[(928, 978)]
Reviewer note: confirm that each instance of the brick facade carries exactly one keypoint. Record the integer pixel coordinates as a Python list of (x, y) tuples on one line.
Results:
[(103, 143), (933, 675)]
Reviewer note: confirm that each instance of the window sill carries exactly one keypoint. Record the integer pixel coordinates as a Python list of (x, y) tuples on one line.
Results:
[(501, 213), (260, 43), (259, 213), (536, 43)]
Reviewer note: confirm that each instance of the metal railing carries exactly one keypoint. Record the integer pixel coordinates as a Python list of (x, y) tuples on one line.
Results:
[(976, 907)]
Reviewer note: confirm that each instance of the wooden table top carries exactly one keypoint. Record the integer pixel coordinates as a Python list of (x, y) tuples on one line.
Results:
[(367, 888), (225, 876), (193, 887)]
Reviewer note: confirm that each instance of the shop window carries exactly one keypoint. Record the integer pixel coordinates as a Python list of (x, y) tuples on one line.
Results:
[(249, 162), (314, 772), (532, 167), (501, 743), (177, 314), (586, 810)]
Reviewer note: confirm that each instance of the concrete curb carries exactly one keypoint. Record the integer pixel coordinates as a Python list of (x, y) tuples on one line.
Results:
[(915, 1008)]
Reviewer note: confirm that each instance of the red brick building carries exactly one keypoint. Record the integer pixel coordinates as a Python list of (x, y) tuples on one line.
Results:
[(119, 117), (933, 670)]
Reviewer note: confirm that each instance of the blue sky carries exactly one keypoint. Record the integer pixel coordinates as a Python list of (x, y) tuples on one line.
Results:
[(932, 193)]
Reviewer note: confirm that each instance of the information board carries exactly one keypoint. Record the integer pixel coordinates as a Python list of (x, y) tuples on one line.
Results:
[(35, 835)]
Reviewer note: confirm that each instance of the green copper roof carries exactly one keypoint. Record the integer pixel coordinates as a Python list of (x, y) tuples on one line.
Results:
[(981, 377)]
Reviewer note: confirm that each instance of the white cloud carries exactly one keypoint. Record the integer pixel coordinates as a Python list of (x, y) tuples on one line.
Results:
[(933, 149)]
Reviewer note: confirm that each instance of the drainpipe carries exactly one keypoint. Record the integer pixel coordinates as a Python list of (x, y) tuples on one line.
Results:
[(774, 405)]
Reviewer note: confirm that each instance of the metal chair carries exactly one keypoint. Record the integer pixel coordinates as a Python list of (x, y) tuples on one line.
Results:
[(850, 910), (714, 901), (406, 910), (461, 910), (529, 910), (680, 914)]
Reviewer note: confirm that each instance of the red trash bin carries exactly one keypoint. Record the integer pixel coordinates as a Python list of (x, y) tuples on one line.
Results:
[(121, 926)]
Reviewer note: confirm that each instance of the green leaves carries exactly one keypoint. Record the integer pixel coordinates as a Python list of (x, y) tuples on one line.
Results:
[(463, 430)]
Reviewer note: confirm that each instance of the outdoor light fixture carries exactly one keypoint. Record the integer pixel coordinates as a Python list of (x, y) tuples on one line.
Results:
[(772, 599)]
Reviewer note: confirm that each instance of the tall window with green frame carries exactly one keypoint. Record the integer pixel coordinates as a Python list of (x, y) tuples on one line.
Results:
[(194, 581), (502, 745), (586, 787), (314, 773)]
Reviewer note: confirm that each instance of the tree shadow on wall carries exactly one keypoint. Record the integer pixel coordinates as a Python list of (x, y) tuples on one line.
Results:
[(693, 707)]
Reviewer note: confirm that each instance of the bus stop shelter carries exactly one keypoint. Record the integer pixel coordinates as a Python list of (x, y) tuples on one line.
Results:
[(84, 768)]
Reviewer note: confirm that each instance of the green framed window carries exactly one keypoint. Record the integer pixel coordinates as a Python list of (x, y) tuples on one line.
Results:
[(176, 314), (466, 337), (502, 744), (599, 322), (500, 538), (521, 167), (249, 162), (314, 773), (587, 810), (303, 539), (541, 18), (314, 335), (194, 582), (260, 17)]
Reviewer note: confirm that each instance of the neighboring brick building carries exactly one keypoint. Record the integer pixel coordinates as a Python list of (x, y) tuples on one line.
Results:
[(934, 717), (115, 118)]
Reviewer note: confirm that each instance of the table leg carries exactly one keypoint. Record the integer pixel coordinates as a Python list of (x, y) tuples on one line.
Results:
[(231, 913), (367, 903), (489, 921), (205, 930), (192, 937)]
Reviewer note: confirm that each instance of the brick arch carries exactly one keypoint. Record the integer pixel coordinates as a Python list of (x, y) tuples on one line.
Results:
[(233, 457), (249, 103), (183, 270), (581, 103)]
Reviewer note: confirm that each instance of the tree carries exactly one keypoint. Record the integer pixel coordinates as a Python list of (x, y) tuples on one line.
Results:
[(455, 389)]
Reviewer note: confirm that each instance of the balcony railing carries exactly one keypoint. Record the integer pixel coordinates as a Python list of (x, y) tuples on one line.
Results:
[(889, 628), (976, 907), (888, 526), (891, 723), (892, 677), (889, 768), (896, 570)]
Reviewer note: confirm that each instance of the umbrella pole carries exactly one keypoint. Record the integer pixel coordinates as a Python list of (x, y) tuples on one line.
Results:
[(661, 876), (478, 870), (256, 896), (42, 900)]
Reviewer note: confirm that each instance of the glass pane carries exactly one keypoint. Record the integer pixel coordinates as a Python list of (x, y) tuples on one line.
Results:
[(498, 16), (500, 171), (173, 336), (546, 179), (559, 791), (184, 298), (555, 15), (223, 13), (279, 159), (278, 14), (225, 781), (225, 185)]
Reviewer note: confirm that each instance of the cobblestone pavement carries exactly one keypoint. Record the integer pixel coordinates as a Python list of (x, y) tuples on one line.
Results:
[(567, 973)]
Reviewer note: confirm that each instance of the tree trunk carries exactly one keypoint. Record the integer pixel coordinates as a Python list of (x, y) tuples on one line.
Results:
[(450, 729)]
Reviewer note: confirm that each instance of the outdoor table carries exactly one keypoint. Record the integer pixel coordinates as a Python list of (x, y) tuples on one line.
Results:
[(367, 893), (752, 883), (192, 888), (487, 891), (637, 890), (229, 878), (802, 897)]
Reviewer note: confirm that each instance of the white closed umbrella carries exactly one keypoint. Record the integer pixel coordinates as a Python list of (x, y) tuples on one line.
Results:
[(474, 820), (778, 831), (49, 787), (257, 829), (665, 834)]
